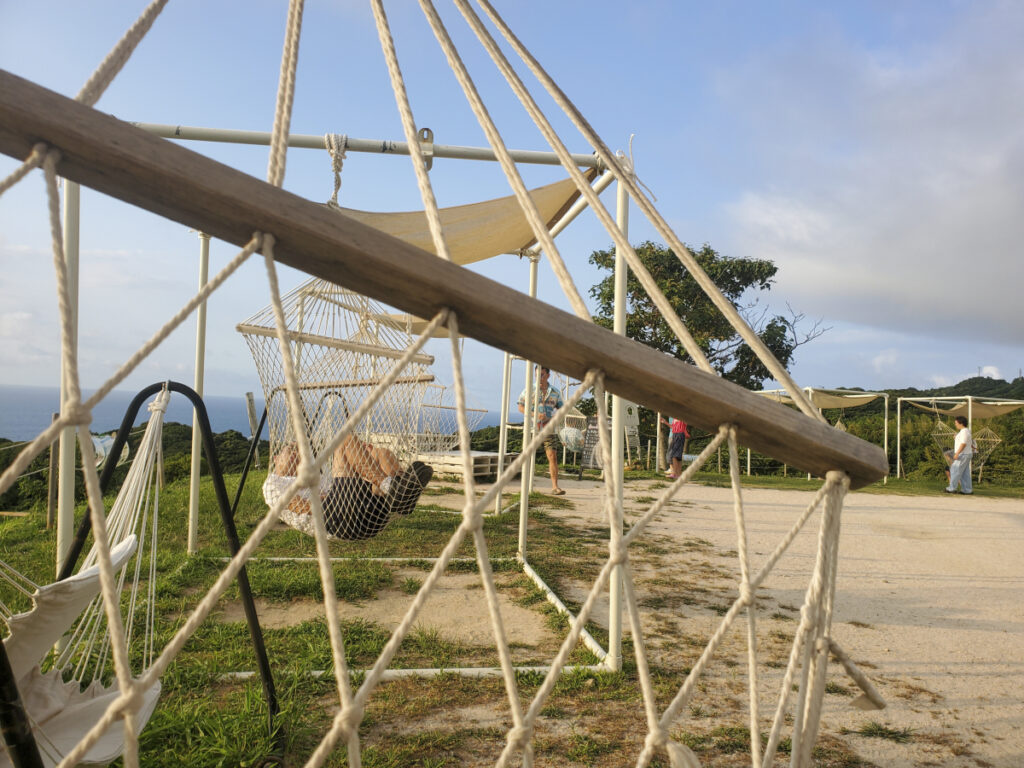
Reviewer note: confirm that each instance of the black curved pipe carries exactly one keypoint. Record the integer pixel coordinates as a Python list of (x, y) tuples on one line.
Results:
[(226, 514)]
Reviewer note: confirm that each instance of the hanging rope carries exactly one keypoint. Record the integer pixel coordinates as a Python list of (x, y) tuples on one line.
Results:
[(337, 146)]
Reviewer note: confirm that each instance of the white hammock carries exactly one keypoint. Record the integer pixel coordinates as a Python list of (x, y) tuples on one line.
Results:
[(70, 697)]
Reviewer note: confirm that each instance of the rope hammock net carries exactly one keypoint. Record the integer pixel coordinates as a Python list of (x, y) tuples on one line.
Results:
[(333, 382)]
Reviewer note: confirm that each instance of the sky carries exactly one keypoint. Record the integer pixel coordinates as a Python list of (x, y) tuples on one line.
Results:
[(874, 151)]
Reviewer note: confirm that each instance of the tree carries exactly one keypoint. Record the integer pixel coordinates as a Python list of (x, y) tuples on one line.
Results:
[(742, 281)]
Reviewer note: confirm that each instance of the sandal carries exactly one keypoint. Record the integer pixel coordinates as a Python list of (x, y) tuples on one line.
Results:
[(558, 492)]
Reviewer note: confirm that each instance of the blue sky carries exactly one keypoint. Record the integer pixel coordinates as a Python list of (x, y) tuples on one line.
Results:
[(873, 150)]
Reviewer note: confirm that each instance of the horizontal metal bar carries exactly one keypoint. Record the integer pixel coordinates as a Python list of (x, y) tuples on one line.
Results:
[(377, 146)]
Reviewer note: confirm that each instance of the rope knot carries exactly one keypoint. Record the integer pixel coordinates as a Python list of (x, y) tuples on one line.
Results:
[(519, 736), (656, 737), (474, 521), (747, 595), (77, 415), (617, 554), (308, 476)]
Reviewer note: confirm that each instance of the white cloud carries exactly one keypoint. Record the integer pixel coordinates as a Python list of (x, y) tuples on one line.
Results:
[(990, 371), (896, 177)]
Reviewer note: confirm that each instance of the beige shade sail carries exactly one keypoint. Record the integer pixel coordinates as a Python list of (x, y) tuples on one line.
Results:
[(823, 398), (476, 231), (979, 409)]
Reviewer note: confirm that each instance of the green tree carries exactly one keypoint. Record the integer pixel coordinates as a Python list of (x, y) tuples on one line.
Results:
[(742, 281)]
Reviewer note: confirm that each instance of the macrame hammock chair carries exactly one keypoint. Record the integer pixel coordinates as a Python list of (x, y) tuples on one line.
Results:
[(65, 693), (343, 345), (985, 441)]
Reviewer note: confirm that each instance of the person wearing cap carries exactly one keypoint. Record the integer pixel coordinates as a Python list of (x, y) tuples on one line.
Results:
[(548, 401)]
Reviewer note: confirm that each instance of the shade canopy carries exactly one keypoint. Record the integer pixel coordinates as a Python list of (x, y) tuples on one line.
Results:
[(827, 398), (476, 231), (976, 409)]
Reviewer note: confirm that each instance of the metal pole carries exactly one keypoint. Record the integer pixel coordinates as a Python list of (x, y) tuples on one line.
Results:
[(51, 484), (200, 370), (526, 480), (899, 456), (506, 383), (66, 473), (885, 436), (659, 455), (377, 146), (614, 658)]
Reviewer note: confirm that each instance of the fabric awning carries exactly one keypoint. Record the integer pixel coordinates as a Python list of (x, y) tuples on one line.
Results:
[(979, 409), (824, 398), (476, 231)]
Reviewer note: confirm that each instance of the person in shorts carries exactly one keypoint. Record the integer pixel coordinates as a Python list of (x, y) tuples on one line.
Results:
[(548, 400)]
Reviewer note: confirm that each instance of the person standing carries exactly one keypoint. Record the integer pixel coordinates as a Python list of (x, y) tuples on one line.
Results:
[(680, 436), (963, 450), (548, 401)]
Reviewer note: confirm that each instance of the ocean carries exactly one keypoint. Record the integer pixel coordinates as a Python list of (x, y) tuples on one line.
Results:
[(27, 411)]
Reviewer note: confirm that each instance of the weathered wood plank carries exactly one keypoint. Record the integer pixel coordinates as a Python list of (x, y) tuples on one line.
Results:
[(118, 159)]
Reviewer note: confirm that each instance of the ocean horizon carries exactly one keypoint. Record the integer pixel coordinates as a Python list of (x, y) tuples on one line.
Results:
[(26, 411)]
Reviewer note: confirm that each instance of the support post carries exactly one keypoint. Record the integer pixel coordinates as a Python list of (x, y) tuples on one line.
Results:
[(200, 371), (51, 484), (506, 383), (529, 424), (614, 659), (885, 437), (66, 473), (899, 454)]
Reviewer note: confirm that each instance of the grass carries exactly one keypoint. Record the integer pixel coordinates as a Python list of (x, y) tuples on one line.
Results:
[(206, 719)]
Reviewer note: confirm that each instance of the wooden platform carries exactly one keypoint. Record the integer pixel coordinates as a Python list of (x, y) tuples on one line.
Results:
[(449, 463)]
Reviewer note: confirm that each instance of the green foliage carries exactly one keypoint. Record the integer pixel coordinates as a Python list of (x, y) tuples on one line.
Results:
[(741, 282)]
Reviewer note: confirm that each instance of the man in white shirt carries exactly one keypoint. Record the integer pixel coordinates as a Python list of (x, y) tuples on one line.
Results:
[(963, 450)]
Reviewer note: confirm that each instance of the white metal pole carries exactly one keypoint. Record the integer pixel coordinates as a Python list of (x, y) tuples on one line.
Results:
[(200, 370), (885, 436), (377, 146), (506, 382), (66, 473), (614, 658), (899, 455), (529, 466)]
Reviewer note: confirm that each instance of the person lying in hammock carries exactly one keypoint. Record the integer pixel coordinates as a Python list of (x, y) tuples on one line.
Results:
[(365, 488)]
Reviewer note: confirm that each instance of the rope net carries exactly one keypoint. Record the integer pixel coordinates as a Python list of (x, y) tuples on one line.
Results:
[(343, 386)]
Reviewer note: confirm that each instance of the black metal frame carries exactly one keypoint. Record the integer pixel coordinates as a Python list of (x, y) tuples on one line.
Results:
[(14, 723)]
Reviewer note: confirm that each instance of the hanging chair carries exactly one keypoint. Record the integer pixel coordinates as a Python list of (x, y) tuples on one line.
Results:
[(342, 345), (65, 694), (985, 441), (572, 430)]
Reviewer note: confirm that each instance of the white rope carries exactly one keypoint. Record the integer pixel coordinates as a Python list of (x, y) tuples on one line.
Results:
[(118, 57), (285, 95), (526, 203), (725, 306), (336, 145), (593, 201), (409, 128), (748, 594)]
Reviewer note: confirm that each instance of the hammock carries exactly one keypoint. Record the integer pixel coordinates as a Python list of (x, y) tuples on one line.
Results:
[(344, 346), (66, 700)]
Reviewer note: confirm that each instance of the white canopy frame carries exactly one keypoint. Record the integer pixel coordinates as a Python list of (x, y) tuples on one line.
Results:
[(837, 398), (962, 405)]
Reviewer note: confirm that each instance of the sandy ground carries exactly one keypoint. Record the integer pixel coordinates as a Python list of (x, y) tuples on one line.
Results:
[(929, 604)]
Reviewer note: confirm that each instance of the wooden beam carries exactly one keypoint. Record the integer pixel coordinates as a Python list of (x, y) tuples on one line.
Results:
[(123, 161)]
